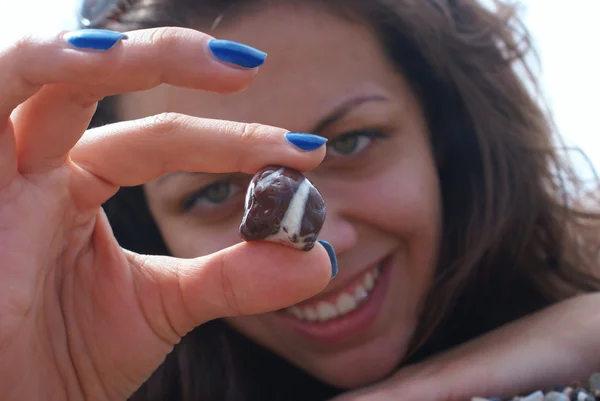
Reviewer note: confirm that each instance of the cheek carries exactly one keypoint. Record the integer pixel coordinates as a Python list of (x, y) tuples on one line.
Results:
[(402, 199), (410, 209), (413, 203)]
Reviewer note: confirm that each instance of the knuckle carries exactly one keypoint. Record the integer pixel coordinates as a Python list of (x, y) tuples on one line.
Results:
[(253, 136), (161, 323), (141, 263), (22, 44), (164, 37), (250, 131), (18, 56), (176, 325), (230, 299), (164, 123), (157, 130)]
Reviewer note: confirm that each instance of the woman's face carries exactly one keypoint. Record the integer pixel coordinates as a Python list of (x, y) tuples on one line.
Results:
[(378, 180)]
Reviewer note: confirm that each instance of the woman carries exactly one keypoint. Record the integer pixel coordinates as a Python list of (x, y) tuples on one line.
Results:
[(459, 248)]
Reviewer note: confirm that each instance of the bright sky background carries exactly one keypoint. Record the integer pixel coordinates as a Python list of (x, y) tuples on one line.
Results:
[(567, 35)]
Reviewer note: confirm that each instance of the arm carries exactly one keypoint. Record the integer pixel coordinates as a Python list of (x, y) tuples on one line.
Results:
[(552, 347)]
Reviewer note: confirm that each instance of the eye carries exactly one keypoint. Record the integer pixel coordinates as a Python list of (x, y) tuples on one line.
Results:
[(352, 143), (217, 193), (212, 196)]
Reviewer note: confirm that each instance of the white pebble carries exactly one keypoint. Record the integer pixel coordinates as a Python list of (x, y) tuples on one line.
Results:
[(536, 396), (555, 396)]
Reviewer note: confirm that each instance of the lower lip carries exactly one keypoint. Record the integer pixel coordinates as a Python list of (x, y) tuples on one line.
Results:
[(349, 325)]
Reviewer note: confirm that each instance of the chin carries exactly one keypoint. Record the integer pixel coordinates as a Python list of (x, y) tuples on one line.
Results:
[(361, 366), (362, 374)]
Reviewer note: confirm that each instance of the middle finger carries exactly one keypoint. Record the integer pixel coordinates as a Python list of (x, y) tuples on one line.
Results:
[(72, 79)]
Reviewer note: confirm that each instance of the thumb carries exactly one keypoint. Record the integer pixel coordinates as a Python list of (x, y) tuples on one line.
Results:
[(248, 278)]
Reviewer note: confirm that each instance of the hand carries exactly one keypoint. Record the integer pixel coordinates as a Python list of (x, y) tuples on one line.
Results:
[(80, 317), (553, 347)]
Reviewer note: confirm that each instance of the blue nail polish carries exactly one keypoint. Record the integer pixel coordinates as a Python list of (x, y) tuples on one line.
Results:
[(305, 141), (95, 39), (237, 53), (331, 252)]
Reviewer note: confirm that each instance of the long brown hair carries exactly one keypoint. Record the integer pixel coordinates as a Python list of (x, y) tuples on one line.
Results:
[(516, 237)]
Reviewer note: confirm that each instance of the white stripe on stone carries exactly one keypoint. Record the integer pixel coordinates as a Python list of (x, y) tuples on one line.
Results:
[(292, 219)]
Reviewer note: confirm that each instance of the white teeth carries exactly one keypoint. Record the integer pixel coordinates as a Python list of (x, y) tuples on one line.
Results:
[(310, 314), (345, 303), (296, 311), (326, 311), (360, 293), (369, 281)]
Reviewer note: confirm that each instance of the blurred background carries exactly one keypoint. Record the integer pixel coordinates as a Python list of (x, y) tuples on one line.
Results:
[(567, 36)]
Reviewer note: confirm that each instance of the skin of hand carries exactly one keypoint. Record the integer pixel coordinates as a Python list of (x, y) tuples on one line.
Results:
[(80, 317), (553, 347)]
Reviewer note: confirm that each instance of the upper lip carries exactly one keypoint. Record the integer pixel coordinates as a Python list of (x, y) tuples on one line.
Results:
[(342, 284)]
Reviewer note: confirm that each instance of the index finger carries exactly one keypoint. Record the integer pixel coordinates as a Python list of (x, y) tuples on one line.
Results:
[(58, 82), (135, 152)]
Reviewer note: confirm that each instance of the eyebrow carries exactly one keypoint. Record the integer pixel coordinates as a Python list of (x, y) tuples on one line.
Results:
[(337, 114), (343, 109)]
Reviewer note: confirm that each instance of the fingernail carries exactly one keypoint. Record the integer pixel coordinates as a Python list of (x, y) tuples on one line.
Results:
[(95, 39), (331, 252), (305, 141), (237, 53)]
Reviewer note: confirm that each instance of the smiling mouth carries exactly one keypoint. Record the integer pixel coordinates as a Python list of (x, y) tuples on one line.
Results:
[(341, 303)]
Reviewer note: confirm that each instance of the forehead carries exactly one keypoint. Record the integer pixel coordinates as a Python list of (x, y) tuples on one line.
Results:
[(315, 61)]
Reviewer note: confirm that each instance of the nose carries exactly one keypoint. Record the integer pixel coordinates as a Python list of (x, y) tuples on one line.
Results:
[(338, 230)]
